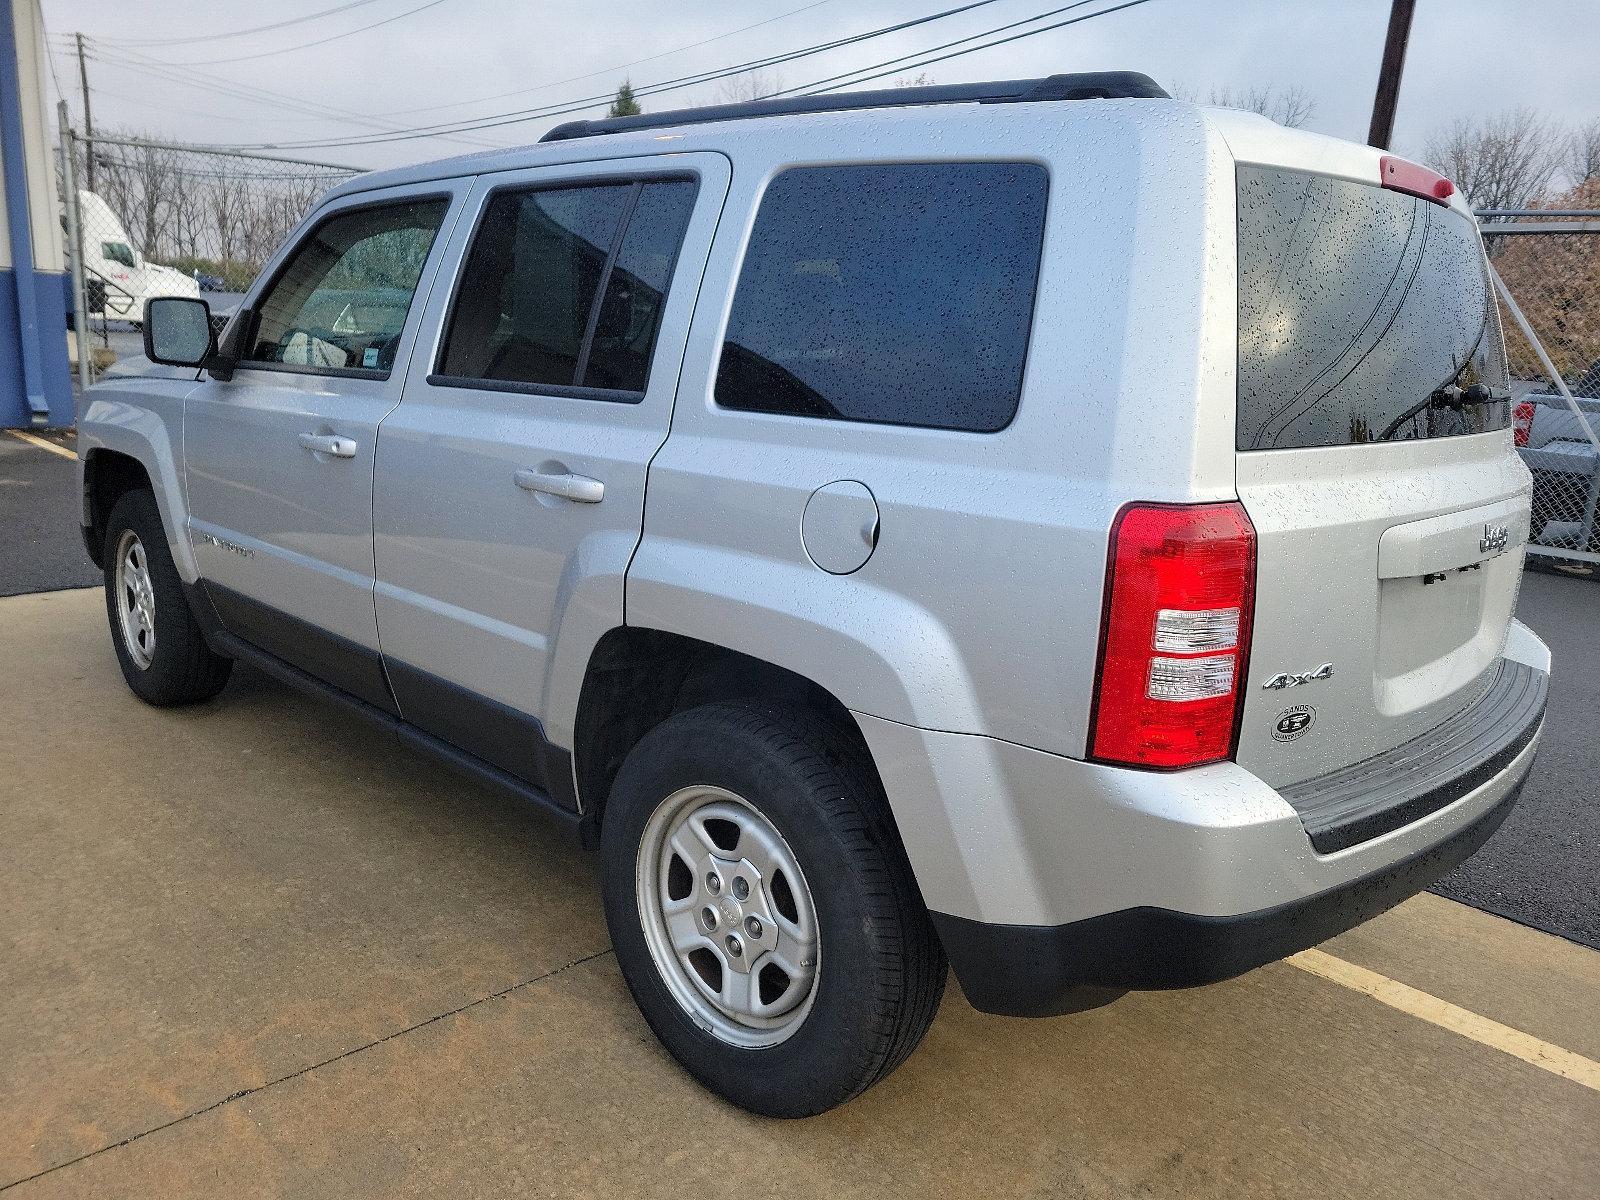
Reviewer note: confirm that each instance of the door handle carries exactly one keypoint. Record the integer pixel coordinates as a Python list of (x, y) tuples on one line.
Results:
[(327, 443), (578, 488)]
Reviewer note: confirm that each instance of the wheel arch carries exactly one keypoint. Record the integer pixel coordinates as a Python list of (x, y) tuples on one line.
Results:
[(108, 475), (638, 677), (124, 434)]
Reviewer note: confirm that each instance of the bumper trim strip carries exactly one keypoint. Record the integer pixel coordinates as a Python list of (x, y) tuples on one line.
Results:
[(1370, 798)]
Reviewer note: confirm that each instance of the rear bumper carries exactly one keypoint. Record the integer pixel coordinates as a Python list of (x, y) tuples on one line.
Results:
[(1058, 884), (1090, 962)]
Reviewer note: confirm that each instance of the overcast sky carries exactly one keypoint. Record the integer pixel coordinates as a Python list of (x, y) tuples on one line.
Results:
[(1467, 58)]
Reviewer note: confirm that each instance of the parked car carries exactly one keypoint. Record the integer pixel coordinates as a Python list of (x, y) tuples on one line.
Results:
[(1081, 541), (210, 283), (118, 278), (1555, 445)]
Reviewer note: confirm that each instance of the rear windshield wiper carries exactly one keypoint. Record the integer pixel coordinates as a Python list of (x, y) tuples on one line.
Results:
[(1450, 397)]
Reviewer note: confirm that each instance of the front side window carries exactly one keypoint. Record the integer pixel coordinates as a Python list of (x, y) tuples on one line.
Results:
[(900, 294), (341, 300), (564, 287), (119, 252)]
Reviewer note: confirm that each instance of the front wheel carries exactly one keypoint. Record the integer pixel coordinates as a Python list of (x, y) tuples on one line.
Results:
[(762, 909), (163, 655)]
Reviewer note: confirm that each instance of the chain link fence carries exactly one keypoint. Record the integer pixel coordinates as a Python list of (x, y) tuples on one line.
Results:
[(146, 219), (1549, 263)]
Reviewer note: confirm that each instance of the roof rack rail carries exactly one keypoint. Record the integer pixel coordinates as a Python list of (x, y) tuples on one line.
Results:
[(1087, 85)]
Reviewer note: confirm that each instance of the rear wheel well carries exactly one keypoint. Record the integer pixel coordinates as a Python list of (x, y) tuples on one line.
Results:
[(637, 678), (107, 477)]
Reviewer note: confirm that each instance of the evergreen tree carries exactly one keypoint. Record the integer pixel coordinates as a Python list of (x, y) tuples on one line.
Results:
[(624, 105)]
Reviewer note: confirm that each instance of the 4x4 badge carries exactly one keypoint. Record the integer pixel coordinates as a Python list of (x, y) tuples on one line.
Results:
[(1289, 679)]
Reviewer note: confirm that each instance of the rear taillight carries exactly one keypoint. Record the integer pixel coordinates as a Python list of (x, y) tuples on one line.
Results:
[(1398, 175), (1180, 591), (1522, 422)]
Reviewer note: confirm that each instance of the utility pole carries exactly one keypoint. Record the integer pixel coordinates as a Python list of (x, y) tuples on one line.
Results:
[(1394, 61), (88, 117)]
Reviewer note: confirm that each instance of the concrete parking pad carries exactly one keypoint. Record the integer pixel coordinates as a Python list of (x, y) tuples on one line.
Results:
[(254, 949), (201, 901)]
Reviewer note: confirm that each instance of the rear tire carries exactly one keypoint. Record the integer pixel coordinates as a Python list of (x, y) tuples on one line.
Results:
[(793, 825), (162, 653)]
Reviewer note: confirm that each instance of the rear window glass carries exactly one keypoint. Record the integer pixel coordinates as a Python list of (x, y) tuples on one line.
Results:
[(1365, 315), (900, 294)]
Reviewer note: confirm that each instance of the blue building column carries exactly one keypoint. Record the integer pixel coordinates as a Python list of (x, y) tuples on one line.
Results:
[(35, 384)]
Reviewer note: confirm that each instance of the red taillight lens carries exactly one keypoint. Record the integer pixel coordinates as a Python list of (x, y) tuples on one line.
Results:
[(1398, 175), (1179, 598), (1521, 422)]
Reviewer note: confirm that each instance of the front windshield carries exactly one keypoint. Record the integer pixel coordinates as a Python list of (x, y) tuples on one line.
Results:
[(119, 252)]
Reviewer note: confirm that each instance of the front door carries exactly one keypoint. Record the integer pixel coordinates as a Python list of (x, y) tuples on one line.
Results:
[(278, 459), (510, 486)]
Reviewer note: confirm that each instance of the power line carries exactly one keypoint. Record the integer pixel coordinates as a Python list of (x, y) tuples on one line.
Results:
[(830, 83), (148, 63), (271, 99), (827, 84), (251, 94), (259, 119), (816, 85), (217, 62), (50, 59), (215, 37), (928, 62), (562, 108), (612, 70)]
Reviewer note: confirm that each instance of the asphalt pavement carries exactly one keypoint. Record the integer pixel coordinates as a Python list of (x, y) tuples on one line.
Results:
[(1543, 866), (40, 547)]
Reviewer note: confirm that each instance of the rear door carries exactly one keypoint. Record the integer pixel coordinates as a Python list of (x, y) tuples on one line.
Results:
[(1376, 462), (510, 484)]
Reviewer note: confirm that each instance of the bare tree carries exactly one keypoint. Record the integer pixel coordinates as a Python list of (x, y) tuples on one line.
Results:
[(157, 172), (1292, 107), (920, 79), (1583, 153), (225, 200), (200, 210), (188, 218), (749, 85), (139, 183), (1502, 161)]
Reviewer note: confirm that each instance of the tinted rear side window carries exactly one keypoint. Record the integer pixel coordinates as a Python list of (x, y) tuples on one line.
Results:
[(530, 282), (630, 310), (1361, 312), (899, 294), (564, 287)]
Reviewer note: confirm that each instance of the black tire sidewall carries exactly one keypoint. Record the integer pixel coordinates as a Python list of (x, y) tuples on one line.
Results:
[(826, 1060), (168, 678)]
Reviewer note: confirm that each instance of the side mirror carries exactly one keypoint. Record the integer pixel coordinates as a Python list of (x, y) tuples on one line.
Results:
[(177, 331)]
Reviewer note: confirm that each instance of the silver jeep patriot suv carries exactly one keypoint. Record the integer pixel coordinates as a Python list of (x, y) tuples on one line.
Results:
[(1038, 527)]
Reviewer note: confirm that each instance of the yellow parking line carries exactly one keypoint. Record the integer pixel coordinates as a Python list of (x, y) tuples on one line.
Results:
[(41, 443), (1529, 1049)]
